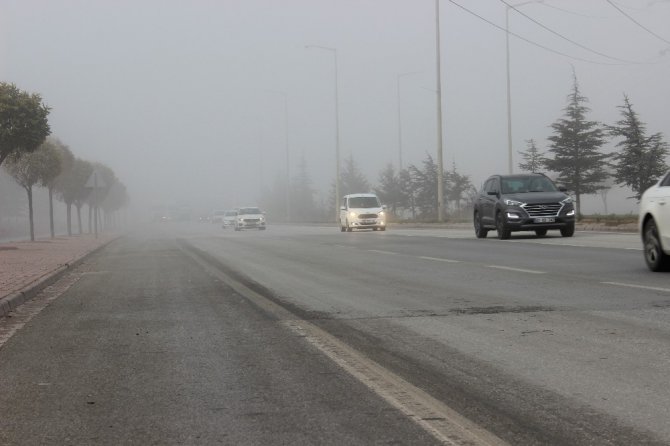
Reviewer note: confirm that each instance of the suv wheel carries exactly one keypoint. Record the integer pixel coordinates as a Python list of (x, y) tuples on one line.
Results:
[(480, 232), (568, 231), (503, 232), (656, 259)]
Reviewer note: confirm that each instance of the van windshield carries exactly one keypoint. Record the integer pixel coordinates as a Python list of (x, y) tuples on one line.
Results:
[(246, 211), (363, 202)]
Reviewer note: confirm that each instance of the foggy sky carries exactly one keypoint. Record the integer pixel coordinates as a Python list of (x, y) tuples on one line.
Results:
[(184, 99)]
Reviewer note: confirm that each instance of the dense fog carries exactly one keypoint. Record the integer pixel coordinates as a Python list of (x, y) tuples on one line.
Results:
[(214, 104)]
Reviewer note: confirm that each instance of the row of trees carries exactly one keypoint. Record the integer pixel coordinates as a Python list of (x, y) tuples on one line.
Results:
[(33, 159), (575, 158), (409, 192), (578, 157)]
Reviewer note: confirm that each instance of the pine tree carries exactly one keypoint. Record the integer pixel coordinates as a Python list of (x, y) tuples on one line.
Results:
[(576, 145), (459, 188), (641, 159), (534, 160), (303, 207), (390, 190), (352, 180), (425, 184)]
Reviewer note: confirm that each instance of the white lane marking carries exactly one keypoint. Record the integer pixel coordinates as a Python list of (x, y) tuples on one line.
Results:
[(644, 287), (442, 422), (437, 259), (382, 252), (520, 270), (445, 424)]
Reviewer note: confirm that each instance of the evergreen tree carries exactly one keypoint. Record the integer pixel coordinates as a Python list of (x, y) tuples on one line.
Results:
[(352, 180), (641, 159), (459, 189), (390, 190), (425, 187), (534, 160), (303, 206), (408, 190), (576, 145)]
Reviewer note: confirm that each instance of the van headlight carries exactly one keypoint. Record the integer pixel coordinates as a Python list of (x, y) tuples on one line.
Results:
[(352, 214)]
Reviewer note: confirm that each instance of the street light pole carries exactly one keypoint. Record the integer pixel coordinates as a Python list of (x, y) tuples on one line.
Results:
[(400, 119), (440, 171), (288, 164), (510, 166), (286, 145), (337, 130)]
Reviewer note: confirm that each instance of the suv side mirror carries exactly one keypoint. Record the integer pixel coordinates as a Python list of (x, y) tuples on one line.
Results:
[(384, 206), (343, 208), (562, 188)]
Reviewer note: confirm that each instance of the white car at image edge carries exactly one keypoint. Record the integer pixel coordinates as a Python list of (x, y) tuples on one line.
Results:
[(654, 224)]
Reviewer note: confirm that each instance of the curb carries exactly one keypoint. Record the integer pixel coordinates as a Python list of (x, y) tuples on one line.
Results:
[(12, 301)]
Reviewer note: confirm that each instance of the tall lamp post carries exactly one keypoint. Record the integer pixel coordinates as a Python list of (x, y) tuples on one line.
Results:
[(440, 170), (510, 166), (286, 146), (337, 130), (401, 75)]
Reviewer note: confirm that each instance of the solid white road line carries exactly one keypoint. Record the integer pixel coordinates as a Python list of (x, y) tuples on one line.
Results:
[(644, 287), (437, 259), (435, 417), (520, 270)]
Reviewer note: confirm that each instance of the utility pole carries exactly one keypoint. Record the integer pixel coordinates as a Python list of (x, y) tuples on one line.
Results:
[(440, 170)]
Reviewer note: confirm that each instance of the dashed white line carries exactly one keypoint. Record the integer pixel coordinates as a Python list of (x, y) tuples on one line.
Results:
[(520, 270), (437, 259), (382, 252), (644, 287)]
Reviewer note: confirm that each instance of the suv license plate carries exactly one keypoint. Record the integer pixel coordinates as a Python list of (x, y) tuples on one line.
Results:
[(545, 220)]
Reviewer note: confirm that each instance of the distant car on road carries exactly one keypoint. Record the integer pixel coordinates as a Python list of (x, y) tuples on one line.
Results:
[(229, 218), (250, 218), (525, 202), (362, 211), (217, 217), (654, 224)]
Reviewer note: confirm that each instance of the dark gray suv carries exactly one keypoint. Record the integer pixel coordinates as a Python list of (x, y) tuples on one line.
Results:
[(524, 202)]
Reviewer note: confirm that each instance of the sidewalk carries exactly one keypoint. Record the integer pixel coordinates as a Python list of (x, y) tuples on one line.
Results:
[(27, 267)]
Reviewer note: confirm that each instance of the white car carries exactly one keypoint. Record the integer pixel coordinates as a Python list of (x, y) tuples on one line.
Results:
[(229, 218), (250, 218), (362, 211), (654, 223)]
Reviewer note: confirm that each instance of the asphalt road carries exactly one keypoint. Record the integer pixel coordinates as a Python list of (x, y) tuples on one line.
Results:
[(198, 335)]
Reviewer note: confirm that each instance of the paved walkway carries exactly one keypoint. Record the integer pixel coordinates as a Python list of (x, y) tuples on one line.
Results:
[(26, 267)]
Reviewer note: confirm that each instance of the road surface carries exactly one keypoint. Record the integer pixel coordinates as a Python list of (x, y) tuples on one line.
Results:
[(191, 334)]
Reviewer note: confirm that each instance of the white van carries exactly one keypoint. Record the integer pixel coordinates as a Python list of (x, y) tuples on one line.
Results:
[(362, 211)]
